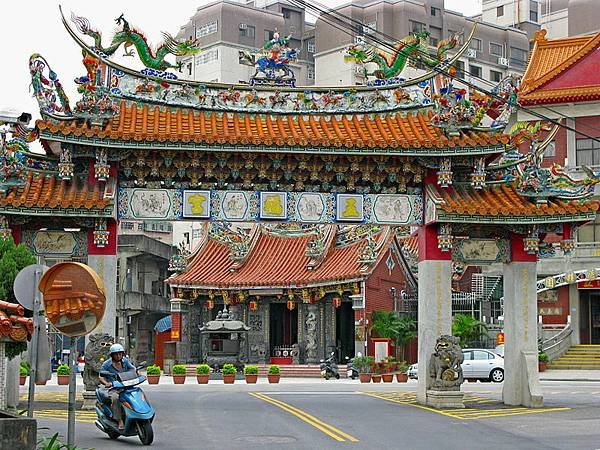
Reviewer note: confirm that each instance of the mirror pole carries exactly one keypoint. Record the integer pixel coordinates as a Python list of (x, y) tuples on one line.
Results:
[(72, 391)]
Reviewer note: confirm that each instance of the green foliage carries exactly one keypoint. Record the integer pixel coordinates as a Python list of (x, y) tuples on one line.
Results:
[(202, 369), (387, 324), (153, 370), (402, 367), (274, 370), (363, 363), (23, 372), (543, 357), (251, 370), (179, 369), (63, 369), (229, 369), (26, 365), (53, 443), (468, 329)]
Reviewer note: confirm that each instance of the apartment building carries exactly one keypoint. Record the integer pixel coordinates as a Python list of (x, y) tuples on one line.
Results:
[(225, 27), (495, 52)]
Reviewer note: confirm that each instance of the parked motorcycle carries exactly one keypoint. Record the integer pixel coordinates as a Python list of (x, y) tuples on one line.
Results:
[(138, 413), (351, 371), (329, 367)]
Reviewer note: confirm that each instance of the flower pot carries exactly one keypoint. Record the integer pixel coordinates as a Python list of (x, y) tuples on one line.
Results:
[(22, 380), (387, 377), (178, 379), (229, 379), (202, 378), (273, 378), (472, 380), (401, 377), (43, 383), (542, 366), (153, 379), (376, 378), (251, 379), (63, 380), (364, 377)]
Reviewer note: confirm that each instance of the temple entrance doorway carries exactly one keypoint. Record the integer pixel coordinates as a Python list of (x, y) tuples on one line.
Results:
[(590, 317), (283, 332), (344, 331)]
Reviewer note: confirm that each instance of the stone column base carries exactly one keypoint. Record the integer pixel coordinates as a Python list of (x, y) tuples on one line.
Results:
[(445, 399), (89, 401)]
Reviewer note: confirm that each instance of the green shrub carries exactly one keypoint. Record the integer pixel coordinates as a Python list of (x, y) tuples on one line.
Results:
[(543, 357), (63, 369), (26, 365), (179, 369), (251, 370), (229, 369), (202, 369), (274, 370), (402, 367), (23, 372), (153, 370), (363, 363)]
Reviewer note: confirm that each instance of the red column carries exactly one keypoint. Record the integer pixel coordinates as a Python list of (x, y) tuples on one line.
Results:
[(517, 250), (111, 248), (428, 245)]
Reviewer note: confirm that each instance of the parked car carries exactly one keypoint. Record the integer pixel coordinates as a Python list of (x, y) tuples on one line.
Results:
[(479, 363)]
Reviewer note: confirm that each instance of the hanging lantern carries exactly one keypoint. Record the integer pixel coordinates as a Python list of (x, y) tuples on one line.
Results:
[(291, 304), (337, 302), (252, 305), (210, 304)]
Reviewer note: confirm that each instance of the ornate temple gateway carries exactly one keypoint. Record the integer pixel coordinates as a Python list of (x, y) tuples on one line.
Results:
[(422, 153)]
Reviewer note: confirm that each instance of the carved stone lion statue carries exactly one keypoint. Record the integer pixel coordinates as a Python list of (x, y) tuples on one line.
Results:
[(445, 372), (96, 352)]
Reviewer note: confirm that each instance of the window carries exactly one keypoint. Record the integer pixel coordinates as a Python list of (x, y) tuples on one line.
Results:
[(140, 226), (550, 151), (126, 225), (188, 67), (476, 44), (587, 152), (435, 11), (590, 232), (495, 76), (518, 57), (268, 35), (500, 11), (533, 11), (480, 354), (460, 69), (204, 30), (369, 28), (475, 71), (496, 49), (435, 35), (248, 31), (206, 57), (416, 27), (310, 46), (310, 72), (286, 13)]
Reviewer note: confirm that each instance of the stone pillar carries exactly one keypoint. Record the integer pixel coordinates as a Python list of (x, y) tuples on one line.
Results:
[(12, 383), (575, 313), (435, 301), (3, 374), (312, 333), (521, 378)]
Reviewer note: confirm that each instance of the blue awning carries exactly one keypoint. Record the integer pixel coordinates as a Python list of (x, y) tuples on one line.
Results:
[(163, 324)]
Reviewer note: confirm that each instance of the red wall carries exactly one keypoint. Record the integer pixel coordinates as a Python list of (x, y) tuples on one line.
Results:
[(563, 302)]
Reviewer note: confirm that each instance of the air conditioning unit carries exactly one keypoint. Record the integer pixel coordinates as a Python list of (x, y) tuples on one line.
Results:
[(471, 53), (243, 26), (358, 301), (503, 62)]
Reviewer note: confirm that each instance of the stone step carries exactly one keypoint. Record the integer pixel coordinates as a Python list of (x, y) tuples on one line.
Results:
[(574, 367)]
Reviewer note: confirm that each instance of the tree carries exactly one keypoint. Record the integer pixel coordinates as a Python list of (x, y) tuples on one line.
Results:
[(468, 329), (407, 331), (401, 330), (13, 258)]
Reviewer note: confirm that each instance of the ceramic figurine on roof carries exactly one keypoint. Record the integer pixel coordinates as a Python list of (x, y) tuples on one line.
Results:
[(11, 167), (130, 37), (47, 89), (271, 62)]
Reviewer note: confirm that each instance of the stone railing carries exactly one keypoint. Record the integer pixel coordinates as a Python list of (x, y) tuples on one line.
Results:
[(559, 341)]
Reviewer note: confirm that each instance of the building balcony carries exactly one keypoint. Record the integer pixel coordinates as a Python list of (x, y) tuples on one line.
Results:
[(139, 301), (586, 255)]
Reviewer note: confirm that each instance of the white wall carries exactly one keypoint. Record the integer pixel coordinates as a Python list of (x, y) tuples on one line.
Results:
[(557, 24)]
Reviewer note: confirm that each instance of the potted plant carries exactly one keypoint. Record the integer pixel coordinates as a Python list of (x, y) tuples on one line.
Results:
[(542, 361), (63, 372), (363, 365), (179, 373), (251, 374), (23, 374), (228, 372), (274, 374), (401, 374), (376, 377), (388, 367), (153, 374), (202, 373)]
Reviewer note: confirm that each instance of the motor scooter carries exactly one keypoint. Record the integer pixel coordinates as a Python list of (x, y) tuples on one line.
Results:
[(138, 413), (329, 367), (351, 371)]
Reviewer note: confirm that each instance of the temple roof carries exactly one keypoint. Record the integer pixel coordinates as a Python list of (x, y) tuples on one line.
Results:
[(410, 133), (562, 70), (13, 323), (502, 204), (46, 194), (276, 260)]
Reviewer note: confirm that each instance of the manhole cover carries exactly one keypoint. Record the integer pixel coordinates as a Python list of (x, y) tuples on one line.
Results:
[(266, 439)]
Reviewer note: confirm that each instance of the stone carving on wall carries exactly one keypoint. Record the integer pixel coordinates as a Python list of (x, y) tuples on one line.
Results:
[(445, 371), (311, 333)]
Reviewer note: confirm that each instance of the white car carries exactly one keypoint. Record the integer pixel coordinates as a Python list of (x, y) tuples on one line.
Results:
[(479, 364)]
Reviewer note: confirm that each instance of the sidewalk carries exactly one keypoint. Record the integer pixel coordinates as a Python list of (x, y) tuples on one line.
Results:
[(570, 375)]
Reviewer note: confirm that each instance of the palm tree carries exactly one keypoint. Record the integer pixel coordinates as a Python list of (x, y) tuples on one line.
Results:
[(468, 329), (387, 324), (407, 331)]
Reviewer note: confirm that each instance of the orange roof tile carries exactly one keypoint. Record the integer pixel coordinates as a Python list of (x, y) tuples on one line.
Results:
[(274, 261), (49, 193), (151, 123), (550, 60), (13, 324), (505, 203)]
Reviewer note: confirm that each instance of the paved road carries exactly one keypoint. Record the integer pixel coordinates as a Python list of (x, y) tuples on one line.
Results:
[(301, 414)]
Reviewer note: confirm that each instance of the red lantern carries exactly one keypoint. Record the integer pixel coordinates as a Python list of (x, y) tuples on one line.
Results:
[(337, 302), (252, 305), (291, 304), (210, 303)]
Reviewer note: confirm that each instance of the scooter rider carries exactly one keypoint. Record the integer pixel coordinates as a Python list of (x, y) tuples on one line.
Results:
[(115, 365)]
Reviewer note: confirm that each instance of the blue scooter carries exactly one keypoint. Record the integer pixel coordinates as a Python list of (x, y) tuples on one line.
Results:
[(138, 412)]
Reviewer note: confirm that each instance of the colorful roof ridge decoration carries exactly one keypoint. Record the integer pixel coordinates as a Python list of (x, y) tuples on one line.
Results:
[(278, 260), (503, 204), (562, 70), (413, 132), (51, 196), (13, 323)]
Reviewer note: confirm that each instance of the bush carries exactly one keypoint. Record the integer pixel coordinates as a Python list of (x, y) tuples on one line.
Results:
[(543, 357), (178, 369), (23, 372), (402, 367), (229, 369), (153, 370), (63, 369), (363, 363), (274, 370), (251, 370), (202, 369)]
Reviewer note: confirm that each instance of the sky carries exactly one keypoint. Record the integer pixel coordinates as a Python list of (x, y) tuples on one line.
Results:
[(35, 27)]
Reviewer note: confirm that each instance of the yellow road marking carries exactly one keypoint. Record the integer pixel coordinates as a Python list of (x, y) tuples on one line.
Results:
[(329, 430), (61, 414)]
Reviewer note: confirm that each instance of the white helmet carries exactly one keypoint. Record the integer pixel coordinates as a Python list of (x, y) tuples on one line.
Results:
[(116, 348)]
